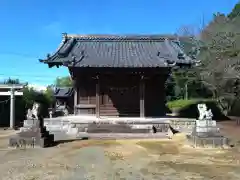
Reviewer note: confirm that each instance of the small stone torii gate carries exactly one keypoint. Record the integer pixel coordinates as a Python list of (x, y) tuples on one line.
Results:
[(11, 90)]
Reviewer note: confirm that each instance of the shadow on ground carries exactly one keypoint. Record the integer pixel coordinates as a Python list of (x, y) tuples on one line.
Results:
[(58, 142)]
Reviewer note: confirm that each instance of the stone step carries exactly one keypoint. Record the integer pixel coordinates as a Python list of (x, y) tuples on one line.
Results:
[(113, 136), (111, 128), (119, 131), (124, 128)]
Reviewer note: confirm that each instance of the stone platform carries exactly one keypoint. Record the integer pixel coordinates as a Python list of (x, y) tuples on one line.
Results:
[(215, 142), (77, 127)]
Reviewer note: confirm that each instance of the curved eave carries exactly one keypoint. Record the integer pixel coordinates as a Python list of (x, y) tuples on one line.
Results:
[(51, 64), (188, 63), (50, 58)]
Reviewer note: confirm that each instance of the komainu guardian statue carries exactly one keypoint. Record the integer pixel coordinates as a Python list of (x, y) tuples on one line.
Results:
[(33, 114), (204, 113)]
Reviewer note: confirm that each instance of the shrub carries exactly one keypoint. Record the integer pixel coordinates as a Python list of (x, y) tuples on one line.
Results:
[(182, 103), (188, 108)]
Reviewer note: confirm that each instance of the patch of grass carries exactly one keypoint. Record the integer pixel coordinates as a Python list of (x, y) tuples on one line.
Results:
[(212, 171), (159, 147)]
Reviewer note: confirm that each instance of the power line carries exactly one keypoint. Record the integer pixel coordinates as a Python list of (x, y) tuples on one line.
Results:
[(32, 75), (19, 54)]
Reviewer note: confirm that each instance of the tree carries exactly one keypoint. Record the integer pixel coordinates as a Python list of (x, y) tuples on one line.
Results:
[(220, 67), (219, 50), (219, 56), (49, 95), (235, 12), (63, 82), (187, 82), (11, 81)]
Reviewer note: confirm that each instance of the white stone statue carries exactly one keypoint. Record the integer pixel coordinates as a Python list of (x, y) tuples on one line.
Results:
[(33, 113), (29, 114), (50, 113), (204, 114), (209, 114), (35, 110)]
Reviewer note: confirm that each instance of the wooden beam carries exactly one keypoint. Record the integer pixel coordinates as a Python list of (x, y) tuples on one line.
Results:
[(142, 96), (76, 96), (10, 86), (97, 97), (8, 93)]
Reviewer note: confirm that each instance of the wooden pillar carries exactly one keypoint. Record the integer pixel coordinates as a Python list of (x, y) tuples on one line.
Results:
[(76, 92), (142, 96), (97, 97)]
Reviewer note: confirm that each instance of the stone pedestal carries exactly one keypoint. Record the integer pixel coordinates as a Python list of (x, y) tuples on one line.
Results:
[(206, 128), (36, 135), (206, 133)]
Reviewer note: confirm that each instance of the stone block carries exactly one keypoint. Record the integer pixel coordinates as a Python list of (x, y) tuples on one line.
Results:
[(28, 123), (72, 131), (206, 123), (40, 136), (209, 141), (170, 133), (17, 141), (207, 129)]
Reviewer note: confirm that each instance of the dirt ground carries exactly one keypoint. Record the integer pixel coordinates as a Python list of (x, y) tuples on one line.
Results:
[(122, 159), (230, 129)]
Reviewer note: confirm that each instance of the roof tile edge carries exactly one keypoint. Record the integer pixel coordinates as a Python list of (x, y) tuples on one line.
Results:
[(120, 37)]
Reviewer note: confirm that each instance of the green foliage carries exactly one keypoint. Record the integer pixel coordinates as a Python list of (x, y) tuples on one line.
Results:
[(235, 12), (182, 103), (186, 83), (30, 96), (63, 82), (49, 95), (46, 99), (220, 57), (188, 108)]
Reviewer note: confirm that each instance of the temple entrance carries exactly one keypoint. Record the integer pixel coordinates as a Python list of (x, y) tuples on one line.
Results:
[(120, 100)]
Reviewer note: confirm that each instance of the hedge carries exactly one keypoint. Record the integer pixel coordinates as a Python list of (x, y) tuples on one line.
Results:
[(188, 108), (183, 103)]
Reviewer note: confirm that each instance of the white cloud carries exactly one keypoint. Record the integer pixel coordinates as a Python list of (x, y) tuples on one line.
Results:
[(37, 87)]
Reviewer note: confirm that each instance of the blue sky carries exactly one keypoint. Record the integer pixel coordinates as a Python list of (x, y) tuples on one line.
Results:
[(32, 28)]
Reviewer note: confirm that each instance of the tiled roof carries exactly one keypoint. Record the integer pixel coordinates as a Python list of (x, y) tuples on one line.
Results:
[(118, 51), (63, 92)]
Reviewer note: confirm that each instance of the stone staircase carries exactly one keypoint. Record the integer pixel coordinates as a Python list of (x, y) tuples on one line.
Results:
[(110, 110), (104, 130)]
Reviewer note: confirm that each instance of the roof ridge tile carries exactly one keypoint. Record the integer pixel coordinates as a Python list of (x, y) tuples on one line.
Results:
[(103, 37)]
